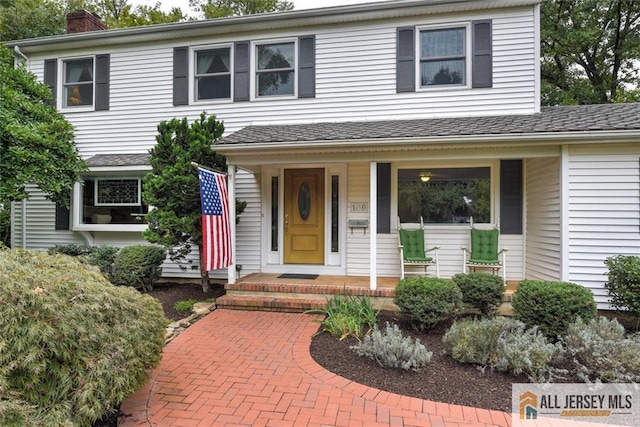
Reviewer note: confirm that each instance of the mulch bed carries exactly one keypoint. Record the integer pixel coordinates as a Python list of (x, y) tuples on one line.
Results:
[(170, 293), (443, 380)]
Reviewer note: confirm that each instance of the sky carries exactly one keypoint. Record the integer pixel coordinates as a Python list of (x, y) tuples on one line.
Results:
[(299, 4)]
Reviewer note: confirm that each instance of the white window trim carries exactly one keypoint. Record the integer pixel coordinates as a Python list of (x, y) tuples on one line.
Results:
[(193, 99), (494, 167), (77, 202), (254, 74), (60, 86), (95, 190), (418, 55)]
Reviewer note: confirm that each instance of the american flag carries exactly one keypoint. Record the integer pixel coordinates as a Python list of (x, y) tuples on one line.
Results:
[(216, 234)]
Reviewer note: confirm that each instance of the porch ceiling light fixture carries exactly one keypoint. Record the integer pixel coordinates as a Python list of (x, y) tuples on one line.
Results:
[(425, 176)]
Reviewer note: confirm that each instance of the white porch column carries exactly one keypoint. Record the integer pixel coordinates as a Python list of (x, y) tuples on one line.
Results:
[(373, 225), (231, 192)]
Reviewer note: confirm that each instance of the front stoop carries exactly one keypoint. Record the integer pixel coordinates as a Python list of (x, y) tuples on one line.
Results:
[(300, 297), (296, 297)]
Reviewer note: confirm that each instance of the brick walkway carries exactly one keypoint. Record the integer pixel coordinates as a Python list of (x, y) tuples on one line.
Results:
[(250, 368)]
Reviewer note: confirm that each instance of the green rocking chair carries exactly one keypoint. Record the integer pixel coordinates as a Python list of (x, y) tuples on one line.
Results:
[(484, 253), (413, 253)]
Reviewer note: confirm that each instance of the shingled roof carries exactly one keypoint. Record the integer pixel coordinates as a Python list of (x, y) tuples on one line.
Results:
[(551, 120), (118, 160)]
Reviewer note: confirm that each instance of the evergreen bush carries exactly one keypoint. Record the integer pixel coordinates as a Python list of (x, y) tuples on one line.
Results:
[(138, 266), (624, 283), (104, 257), (426, 301), (601, 351), (101, 256), (393, 350), (552, 306), (482, 291), (73, 346)]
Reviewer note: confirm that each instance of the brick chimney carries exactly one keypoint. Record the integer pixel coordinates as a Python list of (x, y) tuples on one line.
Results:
[(82, 21)]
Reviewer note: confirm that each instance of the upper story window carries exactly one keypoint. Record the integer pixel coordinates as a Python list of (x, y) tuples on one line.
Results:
[(78, 79), (213, 74), (443, 57), (275, 66)]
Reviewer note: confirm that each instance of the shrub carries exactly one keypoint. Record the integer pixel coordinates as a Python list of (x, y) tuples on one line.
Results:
[(504, 344), (73, 345), (601, 352), (526, 351), (624, 283), (347, 315), (104, 257), (186, 305), (138, 266), (392, 350), (475, 341), (71, 250), (482, 291), (552, 306), (426, 301), (101, 256)]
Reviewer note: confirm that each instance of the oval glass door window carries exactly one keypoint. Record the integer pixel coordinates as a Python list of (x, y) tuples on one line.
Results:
[(304, 200)]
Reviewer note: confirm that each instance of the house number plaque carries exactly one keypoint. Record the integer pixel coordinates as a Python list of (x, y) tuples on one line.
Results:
[(360, 207)]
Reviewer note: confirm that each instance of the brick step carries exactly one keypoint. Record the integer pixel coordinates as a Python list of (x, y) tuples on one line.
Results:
[(291, 289), (270, 303)]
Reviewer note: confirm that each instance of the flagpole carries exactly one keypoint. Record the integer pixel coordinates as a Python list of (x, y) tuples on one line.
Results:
[(196, 165)]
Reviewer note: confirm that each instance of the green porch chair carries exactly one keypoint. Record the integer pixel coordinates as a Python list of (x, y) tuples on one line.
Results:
[(485, 253), (412, 252)]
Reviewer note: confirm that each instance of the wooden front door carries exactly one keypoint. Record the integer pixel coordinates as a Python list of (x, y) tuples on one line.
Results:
[(304, 216)]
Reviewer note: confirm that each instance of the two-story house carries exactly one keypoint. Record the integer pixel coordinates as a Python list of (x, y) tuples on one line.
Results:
[(340, 116)]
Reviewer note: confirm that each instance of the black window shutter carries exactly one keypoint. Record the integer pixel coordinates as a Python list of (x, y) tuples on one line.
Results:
[(511, 196), (180, 76), (241, 72), (62, 217), (482, 60), (405, 65), (384, 198), (102, 81), (51, 78), (307, 67)]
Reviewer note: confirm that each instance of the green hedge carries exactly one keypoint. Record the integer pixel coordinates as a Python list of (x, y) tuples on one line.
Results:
[(426, 301), (482, 291), (552, 306), (624, 283), (73, 345), (138, 266)]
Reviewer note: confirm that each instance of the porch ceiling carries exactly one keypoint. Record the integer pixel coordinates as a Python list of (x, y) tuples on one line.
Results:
[(553, 125)]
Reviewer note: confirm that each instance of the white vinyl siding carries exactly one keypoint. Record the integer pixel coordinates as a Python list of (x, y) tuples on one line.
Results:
[(543, 219), (355, 80), (603, 211)]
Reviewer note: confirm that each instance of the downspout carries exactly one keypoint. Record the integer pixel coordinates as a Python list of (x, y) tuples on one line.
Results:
[(18, 52), (24, 224)]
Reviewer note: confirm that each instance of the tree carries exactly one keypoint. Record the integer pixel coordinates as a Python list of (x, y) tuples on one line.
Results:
[(22, 19), (172, 186), (222, 8), (120, 14), (36, 142), (589, 50)]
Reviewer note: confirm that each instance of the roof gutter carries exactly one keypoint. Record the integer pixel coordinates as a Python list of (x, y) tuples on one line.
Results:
[(419, 143)]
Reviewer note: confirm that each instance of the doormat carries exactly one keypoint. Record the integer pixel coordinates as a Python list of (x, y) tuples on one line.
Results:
[(297, 276)]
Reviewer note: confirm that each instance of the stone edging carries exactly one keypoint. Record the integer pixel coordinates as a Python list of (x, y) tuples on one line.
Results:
[(199, 310)]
